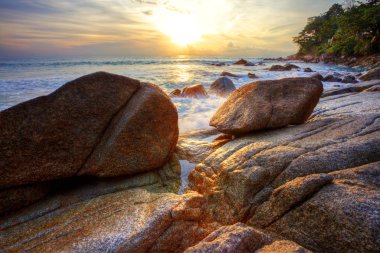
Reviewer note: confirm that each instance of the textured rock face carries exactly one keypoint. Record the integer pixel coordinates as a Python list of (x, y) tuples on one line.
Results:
[(242, 238), (230, 239), (348, 208), (222, 87), (141, 137), (86, 120), (98, 215), (195, 91), (290, 181), (268, 104), (128, 221), (371, 75)]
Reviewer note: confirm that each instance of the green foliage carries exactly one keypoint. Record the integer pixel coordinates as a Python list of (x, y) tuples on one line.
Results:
[(354, 31)]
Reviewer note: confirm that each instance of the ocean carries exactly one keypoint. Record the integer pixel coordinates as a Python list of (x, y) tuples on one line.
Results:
[(21, 80)]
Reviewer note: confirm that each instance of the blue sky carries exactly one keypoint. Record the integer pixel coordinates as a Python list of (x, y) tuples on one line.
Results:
[(149, 28)]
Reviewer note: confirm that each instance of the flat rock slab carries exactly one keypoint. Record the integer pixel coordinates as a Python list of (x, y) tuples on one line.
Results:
[(127, 221)]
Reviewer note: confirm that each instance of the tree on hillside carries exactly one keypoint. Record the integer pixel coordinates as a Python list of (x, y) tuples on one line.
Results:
[(351, 31)]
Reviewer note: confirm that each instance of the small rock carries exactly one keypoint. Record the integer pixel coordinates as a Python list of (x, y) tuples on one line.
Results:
[(175, 93), (249, 64), (308, 70), (225, 73), (291, 66), (218, 64), (280, 68), (317, 76), (349, 79), (331, 78), (251, 75), (241, 62), (222, 86), (194, 91)]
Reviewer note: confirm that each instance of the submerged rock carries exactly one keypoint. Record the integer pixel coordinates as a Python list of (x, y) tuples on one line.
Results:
[(225, 73), (331, 78), (194, 91), (101, 125), (371, 75), (222, 87), (268, 104), (308, 70), (252, 76), (220, 64)]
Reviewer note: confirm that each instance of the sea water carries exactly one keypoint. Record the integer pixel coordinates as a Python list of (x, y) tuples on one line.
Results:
[(24, 79)]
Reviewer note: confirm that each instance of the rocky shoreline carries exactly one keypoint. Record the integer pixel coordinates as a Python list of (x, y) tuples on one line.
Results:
[(365, 62), (96, 167)]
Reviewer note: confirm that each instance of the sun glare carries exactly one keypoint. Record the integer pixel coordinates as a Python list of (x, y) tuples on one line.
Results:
[(186, 22), (181, 28)]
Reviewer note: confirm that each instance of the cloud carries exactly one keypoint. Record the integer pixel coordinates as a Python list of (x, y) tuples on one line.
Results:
[(93, 27)]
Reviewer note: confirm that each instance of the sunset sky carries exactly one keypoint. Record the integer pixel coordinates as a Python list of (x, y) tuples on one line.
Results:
[(152, 28)]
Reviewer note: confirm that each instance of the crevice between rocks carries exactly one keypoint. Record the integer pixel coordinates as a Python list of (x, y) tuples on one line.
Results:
[(101, 134)]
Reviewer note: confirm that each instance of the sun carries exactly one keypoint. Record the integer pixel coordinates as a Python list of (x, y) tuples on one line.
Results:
[(182, 28)]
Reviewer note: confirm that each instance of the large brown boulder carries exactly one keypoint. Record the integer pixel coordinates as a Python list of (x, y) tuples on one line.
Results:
[(222, 87), (100, 124), (268, 104), (371, 75)]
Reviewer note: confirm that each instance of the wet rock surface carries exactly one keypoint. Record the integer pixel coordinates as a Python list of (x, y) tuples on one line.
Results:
[(194, 91)]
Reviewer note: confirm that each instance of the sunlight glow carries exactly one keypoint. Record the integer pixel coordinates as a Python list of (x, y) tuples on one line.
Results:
[(181, 28), (186, 22)]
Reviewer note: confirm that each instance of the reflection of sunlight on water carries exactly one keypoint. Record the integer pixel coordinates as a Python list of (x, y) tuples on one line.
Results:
[(182, 74)]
